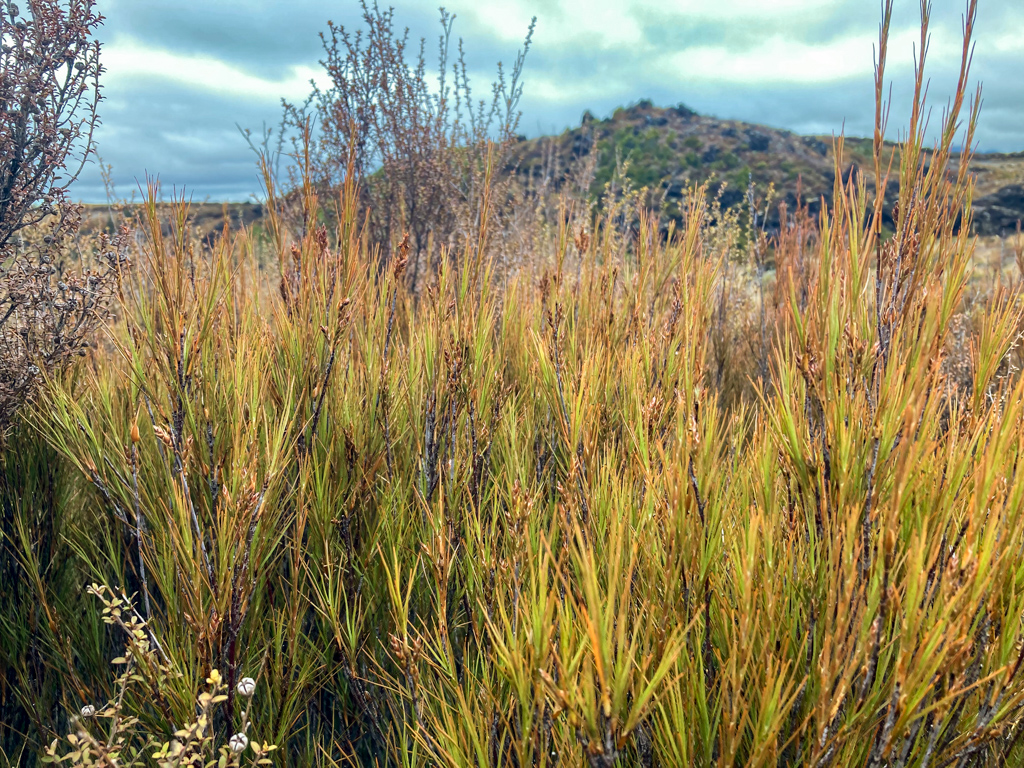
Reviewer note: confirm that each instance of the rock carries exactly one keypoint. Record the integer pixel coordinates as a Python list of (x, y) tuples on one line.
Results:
[(582, 143), (684, 111), (816, 145), (999, 212), (758, 141)]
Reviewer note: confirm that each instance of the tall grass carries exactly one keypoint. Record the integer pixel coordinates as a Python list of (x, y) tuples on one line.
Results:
[(545, 519)]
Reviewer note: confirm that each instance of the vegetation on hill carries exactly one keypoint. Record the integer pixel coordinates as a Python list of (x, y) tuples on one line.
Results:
[(670, 149)]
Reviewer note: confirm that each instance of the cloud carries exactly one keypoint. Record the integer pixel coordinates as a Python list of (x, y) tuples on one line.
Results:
[(129, 61), (777, 60), (186, 138), (182, 73)]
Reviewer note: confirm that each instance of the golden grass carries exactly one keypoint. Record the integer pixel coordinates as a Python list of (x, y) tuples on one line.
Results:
[(615, 507)]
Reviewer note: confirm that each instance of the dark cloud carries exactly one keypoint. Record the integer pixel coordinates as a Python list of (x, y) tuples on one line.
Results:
[(188, 140), (665, 30), (183, 128), (262, 37)]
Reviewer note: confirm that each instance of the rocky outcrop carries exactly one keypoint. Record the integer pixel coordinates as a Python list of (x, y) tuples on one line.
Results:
[(999, 213)]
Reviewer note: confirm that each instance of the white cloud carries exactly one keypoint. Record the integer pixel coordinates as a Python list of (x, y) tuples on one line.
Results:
[(126, 59), (781, 60), (737, 10), (613, 23), (601, 23), (1010, 42)]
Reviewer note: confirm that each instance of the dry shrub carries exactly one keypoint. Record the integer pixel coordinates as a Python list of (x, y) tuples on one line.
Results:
[(430, 160), (536, 521), (54, 293), (49, 93)]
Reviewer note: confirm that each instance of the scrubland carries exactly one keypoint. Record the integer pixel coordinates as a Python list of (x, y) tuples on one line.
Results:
[(557, 484)]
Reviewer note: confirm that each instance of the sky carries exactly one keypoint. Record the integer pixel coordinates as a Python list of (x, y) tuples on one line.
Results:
[(183, 75)]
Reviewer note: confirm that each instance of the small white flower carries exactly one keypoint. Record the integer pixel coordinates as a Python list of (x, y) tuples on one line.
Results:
[(238, 742), (246, 687), (88, 711)]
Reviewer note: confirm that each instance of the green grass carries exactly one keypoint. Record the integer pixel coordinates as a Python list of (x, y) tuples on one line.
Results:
[(630, 504)]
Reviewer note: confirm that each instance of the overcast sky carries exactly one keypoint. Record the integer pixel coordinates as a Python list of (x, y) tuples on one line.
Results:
[(182, 73)]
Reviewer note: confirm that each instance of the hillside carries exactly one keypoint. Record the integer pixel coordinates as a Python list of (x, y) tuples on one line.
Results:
[(673, 148)]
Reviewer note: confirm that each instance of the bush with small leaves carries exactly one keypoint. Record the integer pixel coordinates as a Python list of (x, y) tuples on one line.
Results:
[(429, 159), (125, 739), (49, 94)]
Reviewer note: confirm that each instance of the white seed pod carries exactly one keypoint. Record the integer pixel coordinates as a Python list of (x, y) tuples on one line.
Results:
[(88, 711), (238, 742), (246, 687)]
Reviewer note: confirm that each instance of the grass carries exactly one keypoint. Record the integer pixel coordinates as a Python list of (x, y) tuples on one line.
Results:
[(636, 502)]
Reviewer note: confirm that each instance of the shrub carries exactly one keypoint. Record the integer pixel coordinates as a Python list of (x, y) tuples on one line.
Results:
[(427, 159), (146, 672), (50, 305), (527, 522), (49, 93)]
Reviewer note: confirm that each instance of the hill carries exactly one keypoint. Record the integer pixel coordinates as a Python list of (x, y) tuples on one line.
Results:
[(672, 148)]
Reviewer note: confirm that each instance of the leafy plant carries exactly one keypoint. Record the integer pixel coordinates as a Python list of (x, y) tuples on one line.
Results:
[(126, 742), (49, 93)]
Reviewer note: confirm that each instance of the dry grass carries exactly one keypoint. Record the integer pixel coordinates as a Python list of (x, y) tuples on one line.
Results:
[(637, 502)]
